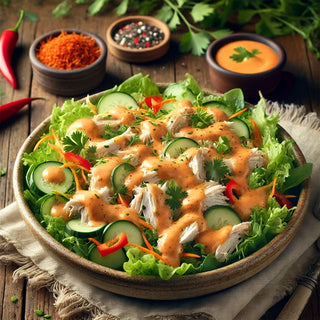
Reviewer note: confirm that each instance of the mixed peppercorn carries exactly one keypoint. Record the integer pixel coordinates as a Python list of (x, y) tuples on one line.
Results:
[(138, 35)]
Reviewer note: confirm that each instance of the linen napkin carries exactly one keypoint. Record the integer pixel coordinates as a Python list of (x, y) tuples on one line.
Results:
[(247, 300)]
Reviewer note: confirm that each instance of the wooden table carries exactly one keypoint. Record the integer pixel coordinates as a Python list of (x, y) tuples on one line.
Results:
[(302, 67)]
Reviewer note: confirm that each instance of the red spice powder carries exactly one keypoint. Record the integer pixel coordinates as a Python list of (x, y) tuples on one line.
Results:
[(68, 51)]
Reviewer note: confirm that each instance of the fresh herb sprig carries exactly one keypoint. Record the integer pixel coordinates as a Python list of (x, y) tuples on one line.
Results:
[(201, 119), (175, 195), (216, 170), (75, 142), (243, 54)]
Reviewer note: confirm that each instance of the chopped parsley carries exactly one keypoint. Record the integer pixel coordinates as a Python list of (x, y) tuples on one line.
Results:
[(216, 170), (223, 145), (110, 133), (75, 142)]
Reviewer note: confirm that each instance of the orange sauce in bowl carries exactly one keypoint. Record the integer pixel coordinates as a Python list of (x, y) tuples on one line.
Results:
[(265, 60)]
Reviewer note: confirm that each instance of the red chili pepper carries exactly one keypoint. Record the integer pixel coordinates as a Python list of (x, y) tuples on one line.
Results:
[(111, 246), (282, 200), (8, 41), (232, 190), (70, 156), (9, 109)]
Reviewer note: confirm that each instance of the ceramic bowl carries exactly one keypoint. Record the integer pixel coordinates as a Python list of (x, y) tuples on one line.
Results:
[(224, 80), (133, 54), (147, 287), (69, 82)]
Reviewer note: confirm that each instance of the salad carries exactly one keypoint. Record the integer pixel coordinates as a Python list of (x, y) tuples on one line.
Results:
[(163, 181)]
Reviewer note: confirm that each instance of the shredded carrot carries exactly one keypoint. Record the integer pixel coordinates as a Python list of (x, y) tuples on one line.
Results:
[(42, 140), (190, 255), (52, 146), (95, 241), (74, 165), (288, 196), (238, 113), (68, 51), (145, 224), (78, 185), (148, 244), (66, 195), (273, 190), (93, 108), (56, 139), (167, 101), (156, 255), (256, 134)]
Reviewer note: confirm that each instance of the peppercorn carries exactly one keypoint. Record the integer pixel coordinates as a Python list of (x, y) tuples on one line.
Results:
[(138, 35)]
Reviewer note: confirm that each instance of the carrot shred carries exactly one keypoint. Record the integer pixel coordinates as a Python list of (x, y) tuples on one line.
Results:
[(273, 190), (148, 244), (56, 139), (93, 108), (41, 141), (78, 185), (74, 165), (95, 241), (190, 255), (52, 146), (238, 113), (66, 195), (145, 224), (156, 255), (256, 133)]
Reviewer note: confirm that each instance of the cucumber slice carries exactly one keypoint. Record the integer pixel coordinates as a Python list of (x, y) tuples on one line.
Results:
[(28, 175), (116, 99), (240, 128), (178, 145), (119, 174), (218, 105), (80, 229), (131, 230), (168, 107), (114, 260), (41, 187), (220, 216), (47, 201), (179, 92)]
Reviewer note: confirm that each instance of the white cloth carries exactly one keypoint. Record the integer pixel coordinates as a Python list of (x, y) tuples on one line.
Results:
[(247, 300)]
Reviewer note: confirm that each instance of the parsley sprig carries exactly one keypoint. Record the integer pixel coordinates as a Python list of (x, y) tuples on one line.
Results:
[(75, 142), (216, 170), (201, 119), (243, 54), (175, 195)]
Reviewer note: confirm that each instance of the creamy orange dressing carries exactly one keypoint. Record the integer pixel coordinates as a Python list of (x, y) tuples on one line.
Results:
[(53, 174), (178, 169), (265, 60), (123, 114), (213, 238), (102, 173), (100, 212), (170, 246), (57, 210), (218, 114), (88, 126)]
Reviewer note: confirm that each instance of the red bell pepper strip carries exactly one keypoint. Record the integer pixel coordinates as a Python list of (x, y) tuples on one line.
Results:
[(154, 103), (8, 41), (11, 108), (70, 156), (282, 199), (112, 245), (232, 190)]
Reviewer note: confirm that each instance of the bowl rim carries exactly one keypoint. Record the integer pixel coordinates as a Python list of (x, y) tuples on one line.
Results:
[(217, 44), (254, 262), (134, 18), (44, 68)]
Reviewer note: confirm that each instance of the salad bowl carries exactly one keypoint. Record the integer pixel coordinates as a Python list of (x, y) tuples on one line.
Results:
[(152, 287)]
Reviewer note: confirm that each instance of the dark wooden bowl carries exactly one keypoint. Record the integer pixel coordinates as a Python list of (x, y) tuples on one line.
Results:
[(69, 82), (138, 55), (147, 287), (224, 80)]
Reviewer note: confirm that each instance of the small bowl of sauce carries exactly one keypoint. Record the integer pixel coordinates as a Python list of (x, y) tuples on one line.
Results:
[(247, 61), (138, 39)]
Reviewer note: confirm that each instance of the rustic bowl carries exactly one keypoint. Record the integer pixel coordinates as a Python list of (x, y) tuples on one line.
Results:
[(69, 82), (138, 55), (147, 287), (224, 80)]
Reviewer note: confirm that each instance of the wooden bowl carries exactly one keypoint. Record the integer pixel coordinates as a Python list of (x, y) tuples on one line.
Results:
[(224, 80), (147, 287), (69, 82), (133, 54)]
